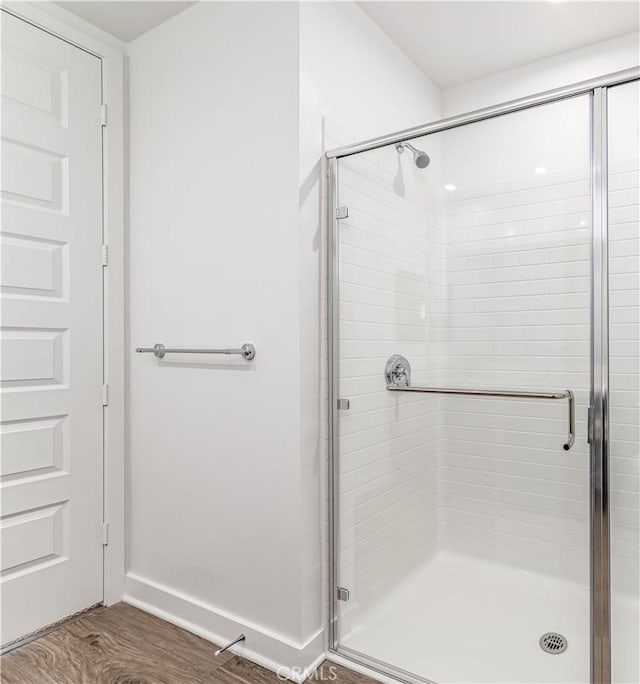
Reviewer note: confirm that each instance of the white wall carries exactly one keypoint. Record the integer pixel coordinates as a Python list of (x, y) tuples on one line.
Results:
[(566, 68), (353, 75), (226, 458), (216, 532)]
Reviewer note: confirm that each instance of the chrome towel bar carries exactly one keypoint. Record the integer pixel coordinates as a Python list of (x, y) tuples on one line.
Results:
[(398, 377), (247, 351)]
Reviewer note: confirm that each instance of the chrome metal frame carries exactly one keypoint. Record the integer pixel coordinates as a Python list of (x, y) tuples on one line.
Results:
[(333, 395), (546, 97), (381, 667), (599, 456), (599, 503)]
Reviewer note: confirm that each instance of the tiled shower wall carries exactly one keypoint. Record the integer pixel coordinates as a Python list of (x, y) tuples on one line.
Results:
[(390, 280), (517, 317)]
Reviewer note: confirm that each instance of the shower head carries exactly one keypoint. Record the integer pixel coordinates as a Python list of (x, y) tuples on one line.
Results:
[(420, 158)]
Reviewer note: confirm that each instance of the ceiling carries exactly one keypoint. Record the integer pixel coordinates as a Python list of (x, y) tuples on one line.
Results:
[(452, 42), (123, 19), (456, 42)]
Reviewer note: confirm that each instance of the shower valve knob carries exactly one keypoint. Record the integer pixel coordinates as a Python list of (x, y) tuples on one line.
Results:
[(397, 371)]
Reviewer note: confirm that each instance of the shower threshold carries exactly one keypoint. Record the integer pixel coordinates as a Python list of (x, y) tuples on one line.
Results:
[(461, 619)]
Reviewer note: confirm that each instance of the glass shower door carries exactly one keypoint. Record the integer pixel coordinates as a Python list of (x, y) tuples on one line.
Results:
[(461, 519)]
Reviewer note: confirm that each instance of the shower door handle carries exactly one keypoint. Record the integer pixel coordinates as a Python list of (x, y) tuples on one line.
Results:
[(398, 378), (566, 394)]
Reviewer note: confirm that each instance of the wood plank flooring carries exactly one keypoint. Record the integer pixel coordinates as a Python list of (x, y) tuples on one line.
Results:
[(124, 645)]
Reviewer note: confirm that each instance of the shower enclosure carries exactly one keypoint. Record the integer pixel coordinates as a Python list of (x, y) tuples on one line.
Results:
[(484, 393)]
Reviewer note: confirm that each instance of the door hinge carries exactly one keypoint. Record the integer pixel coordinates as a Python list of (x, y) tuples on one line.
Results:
[(103, 115), (342, 212), (344, 404), (343, 594), (105, 533), (590, 425), (105, 395), (105, 255)]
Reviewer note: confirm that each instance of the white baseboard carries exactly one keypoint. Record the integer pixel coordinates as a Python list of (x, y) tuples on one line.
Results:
[(291, 660)]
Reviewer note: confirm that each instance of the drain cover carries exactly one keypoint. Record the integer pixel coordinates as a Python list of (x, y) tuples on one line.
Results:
[(552, 642)]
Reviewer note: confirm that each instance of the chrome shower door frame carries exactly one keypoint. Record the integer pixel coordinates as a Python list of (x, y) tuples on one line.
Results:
[(600, 583), (600, 586), (332, 394)]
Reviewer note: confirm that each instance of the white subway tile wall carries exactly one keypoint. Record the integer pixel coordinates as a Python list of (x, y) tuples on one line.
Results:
[(517, 317)]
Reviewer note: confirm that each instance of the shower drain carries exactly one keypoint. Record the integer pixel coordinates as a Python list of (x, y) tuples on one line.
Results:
[(554, 643)]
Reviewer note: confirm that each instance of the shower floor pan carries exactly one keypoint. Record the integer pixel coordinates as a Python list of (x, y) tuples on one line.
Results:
[(461, 619)]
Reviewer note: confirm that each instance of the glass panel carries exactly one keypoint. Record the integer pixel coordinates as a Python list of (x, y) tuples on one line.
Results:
[(463, 523), (624, 342)]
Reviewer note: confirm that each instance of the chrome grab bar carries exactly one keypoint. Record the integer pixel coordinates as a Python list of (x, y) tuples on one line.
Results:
[(398, 377), (247, 351)]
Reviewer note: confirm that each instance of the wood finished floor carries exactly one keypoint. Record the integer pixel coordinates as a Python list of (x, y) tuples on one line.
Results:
[(124, 645)]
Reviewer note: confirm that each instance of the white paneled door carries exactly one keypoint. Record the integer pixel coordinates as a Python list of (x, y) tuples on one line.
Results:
[(51, 341)]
